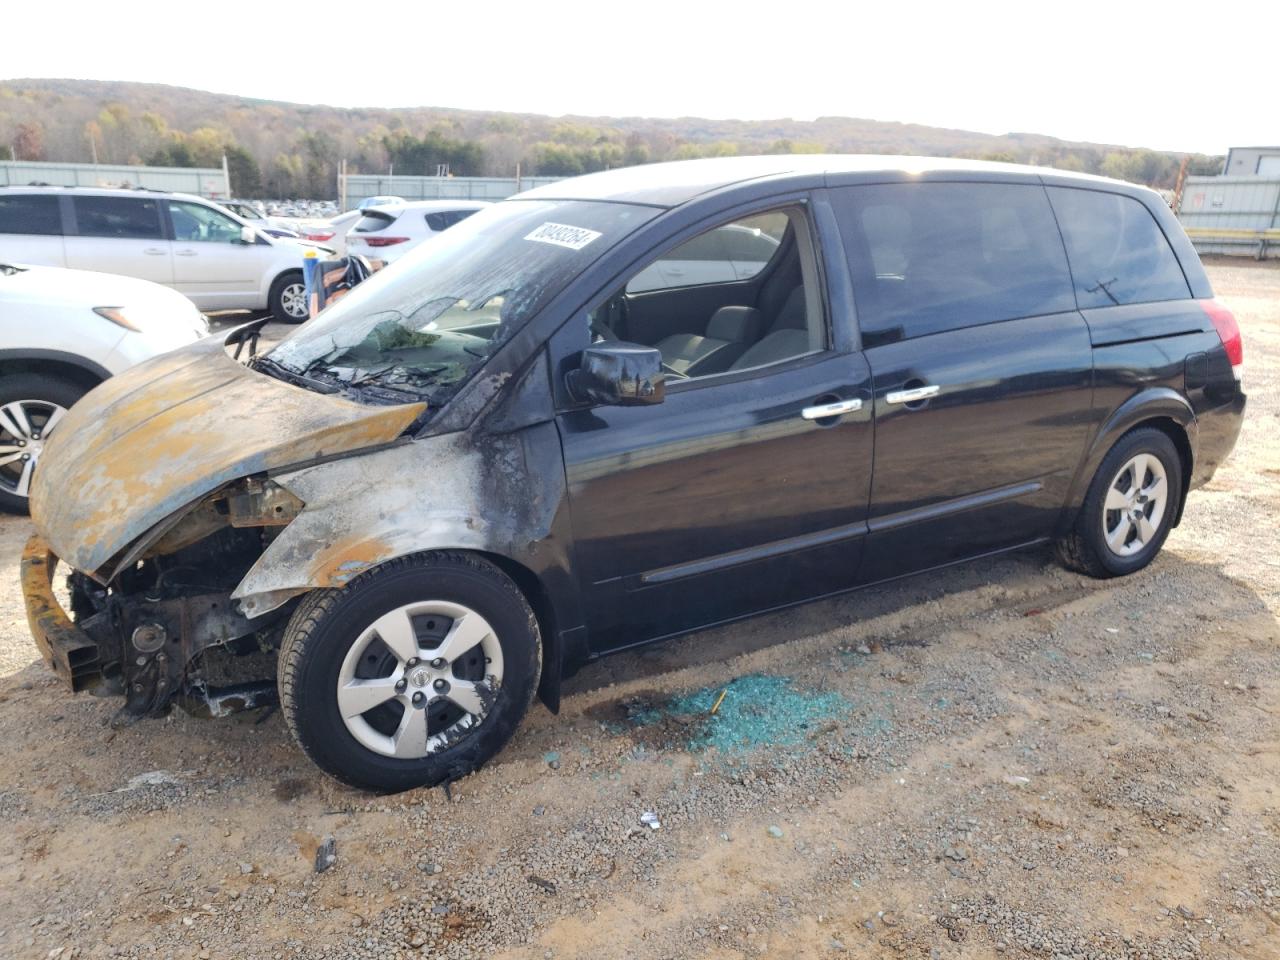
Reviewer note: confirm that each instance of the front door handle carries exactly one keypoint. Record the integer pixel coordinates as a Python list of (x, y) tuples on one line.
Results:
[(822, 411), (153, 252), (914, 395), (186, 253)]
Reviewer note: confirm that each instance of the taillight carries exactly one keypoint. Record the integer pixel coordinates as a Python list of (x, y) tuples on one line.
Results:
[(318, 237), (384, 241), (1224, 321)]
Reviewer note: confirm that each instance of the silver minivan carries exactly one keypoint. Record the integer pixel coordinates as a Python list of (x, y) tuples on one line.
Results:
[(185, 242)]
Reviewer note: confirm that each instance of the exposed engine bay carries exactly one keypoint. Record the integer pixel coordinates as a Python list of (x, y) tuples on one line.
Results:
[(169, 601)]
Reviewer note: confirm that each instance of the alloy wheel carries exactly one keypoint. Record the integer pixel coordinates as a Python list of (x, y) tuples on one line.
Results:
[(294, 300), (1135, 505), (24, 427), (419, 678)]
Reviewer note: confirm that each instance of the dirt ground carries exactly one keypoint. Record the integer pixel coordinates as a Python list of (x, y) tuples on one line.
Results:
[(1001, 758)]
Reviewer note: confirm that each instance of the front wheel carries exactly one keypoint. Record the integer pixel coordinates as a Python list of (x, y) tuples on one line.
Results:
[(30, 407), (288, 298), (413, 674), (1129, 509)]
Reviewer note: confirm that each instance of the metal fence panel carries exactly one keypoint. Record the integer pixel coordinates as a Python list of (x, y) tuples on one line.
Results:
[(203, 181), (1230, 203), (362, 186)]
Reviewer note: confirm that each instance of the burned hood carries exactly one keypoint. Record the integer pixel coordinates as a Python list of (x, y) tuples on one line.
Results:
[(160, 435)]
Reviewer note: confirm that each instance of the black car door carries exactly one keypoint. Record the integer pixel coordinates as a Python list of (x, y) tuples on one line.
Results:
[(740, 492), (982, 367)]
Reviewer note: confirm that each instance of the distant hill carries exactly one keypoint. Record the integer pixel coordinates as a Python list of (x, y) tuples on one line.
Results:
[(282, 149)]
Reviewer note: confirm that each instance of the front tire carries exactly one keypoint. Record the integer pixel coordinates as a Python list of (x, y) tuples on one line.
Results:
[(1129, 509), (30, 407), (413, 674), (288, 298)]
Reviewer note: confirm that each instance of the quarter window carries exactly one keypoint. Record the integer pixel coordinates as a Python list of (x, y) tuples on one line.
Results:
[(30, 215), (931, 257), (123, 218), (1118, 252)]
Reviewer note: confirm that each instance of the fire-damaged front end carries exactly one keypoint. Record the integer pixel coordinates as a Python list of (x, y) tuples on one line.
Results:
[(142, 633), (156, 493)]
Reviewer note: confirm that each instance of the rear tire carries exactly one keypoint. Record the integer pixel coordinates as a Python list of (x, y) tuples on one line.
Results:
[(27, 401), (288, 298), (1129, 508), (415, 731)]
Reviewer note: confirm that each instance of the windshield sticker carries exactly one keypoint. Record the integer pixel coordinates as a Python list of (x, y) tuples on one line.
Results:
[(575, 238)]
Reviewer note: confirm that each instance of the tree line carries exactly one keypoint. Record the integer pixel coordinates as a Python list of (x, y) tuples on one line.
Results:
[(290, 150)]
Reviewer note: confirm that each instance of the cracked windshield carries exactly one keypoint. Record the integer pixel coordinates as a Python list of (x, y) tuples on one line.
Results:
[(419, 329)]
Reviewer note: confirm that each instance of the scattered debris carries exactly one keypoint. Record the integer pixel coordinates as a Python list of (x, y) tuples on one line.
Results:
[(775, 831), (537, 881), (719, 700), (326, 854), (651, 819)]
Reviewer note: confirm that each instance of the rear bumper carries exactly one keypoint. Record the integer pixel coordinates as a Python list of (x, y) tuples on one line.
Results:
[(1218, 430), (67, 649)]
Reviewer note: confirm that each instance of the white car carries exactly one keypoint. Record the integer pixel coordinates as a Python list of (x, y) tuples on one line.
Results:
[(331, 233), (388, 231), (256, 218), (62, 332), (181, 241)]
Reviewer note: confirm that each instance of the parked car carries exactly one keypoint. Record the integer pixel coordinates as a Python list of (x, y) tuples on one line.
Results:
[(495, 462), (387, 232), (62, 332), (181, 241), (251, 215), (332, 233)]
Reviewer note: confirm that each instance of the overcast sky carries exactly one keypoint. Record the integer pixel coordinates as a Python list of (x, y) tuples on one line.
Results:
[(1165, 75)]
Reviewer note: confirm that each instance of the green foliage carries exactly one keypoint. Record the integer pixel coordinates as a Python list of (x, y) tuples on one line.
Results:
[(246, 178), (420, 156), (6, 152)]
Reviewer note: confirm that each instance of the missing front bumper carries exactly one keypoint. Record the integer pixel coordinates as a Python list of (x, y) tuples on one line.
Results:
[(68, 650)]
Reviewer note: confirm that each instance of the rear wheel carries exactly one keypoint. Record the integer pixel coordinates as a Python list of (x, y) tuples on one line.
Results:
[(31, 405), (1129, 509), (413, 674), (288, 298)]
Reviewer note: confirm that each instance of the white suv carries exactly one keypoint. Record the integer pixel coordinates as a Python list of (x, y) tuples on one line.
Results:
[(62, 332), (184, 242), (387, 231)]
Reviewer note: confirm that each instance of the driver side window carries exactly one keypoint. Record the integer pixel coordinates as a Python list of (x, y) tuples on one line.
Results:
[(198, 223), (741, 295)]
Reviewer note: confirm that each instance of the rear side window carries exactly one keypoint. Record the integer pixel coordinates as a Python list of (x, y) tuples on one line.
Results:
[(1118, 252), (444, 219), (931, 257), (122, 218), (30, 215)]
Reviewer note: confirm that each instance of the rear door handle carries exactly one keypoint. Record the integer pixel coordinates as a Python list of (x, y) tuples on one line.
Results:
[(186, 253), (153, 252), (824, 410), (914, 395)]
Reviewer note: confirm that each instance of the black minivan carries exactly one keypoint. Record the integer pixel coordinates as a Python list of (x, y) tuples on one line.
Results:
[(621, 408)]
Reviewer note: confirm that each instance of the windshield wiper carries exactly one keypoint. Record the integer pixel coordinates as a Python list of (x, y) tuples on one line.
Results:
[(280, 372)]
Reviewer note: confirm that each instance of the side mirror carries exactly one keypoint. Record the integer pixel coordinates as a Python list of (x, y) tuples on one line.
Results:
[(248, 235), (618, 374)]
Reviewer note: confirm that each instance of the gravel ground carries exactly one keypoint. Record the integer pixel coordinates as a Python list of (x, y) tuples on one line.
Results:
[(1001, 758)]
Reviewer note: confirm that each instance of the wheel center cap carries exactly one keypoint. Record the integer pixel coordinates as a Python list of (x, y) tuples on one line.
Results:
[(419, 678)]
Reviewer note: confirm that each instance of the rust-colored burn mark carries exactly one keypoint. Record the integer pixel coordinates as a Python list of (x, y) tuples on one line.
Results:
[(337, 564), (168, 433), (63, 645)]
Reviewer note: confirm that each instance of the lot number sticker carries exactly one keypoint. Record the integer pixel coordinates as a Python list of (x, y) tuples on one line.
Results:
[(562, 235)]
